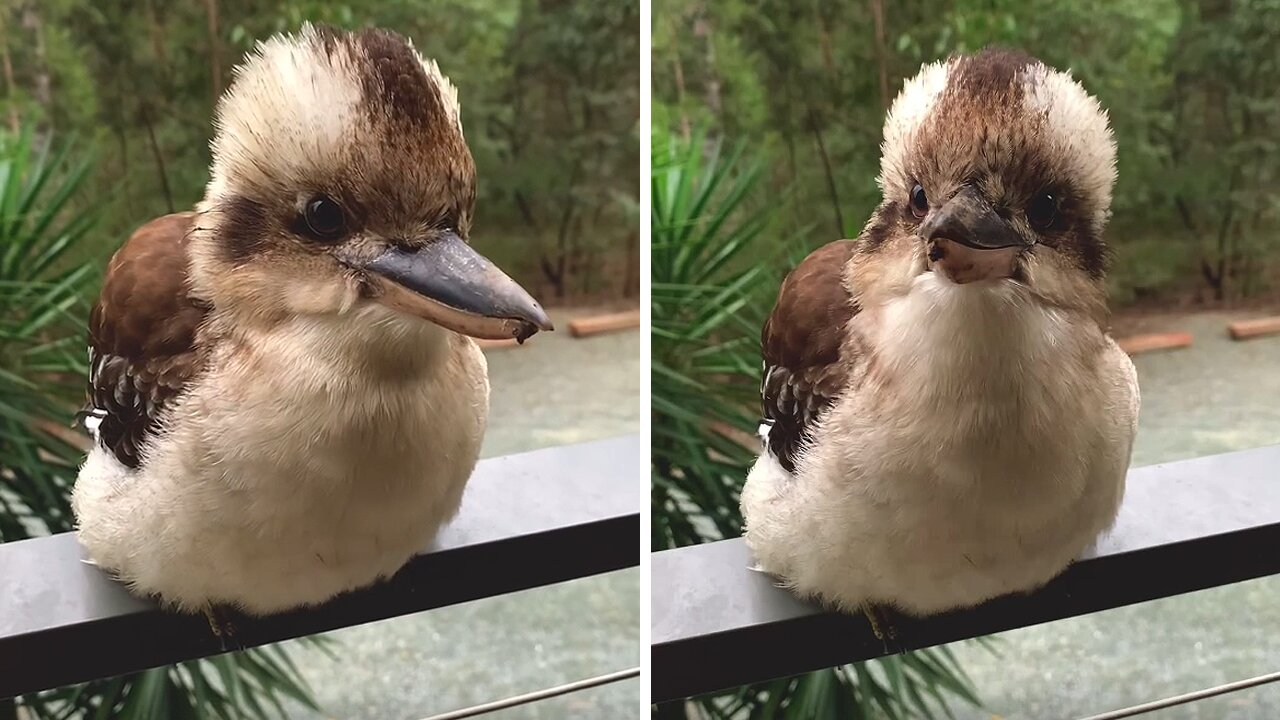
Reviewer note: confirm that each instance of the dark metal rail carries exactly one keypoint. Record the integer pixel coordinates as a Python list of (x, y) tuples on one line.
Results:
[(1184, 526), (527, 520)]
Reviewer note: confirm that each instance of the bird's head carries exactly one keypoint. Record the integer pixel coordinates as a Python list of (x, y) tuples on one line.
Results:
[(341, 185), (997, 168)]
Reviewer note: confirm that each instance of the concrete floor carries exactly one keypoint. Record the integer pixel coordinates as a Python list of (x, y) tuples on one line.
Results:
[(1213, 397), (554, 391)]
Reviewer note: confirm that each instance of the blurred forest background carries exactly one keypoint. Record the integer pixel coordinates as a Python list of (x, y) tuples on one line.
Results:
[(549, 91), (1191, 87)]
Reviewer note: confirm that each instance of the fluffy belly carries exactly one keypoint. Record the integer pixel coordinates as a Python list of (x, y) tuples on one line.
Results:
[(260, 540), (927, 523), (913, 541), (269, 510)]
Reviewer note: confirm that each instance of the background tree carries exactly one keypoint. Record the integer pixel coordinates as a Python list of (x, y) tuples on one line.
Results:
[(549, 91), (1189, 86)]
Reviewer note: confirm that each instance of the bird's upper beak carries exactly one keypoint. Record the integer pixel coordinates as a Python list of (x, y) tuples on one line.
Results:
[(447, 282), (969, 241)]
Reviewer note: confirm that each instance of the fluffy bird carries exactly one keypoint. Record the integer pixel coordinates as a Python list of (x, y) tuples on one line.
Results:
[(285, 396), (946, 418)]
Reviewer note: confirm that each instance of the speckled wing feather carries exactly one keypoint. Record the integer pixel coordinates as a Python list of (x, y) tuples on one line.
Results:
[(142, 337), (803, 368)]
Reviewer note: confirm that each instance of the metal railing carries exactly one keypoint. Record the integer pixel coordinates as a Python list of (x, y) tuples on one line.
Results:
[(527, 520), (1183, 527)]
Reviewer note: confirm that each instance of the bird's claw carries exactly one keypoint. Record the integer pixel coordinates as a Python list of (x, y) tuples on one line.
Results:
[(881, 624), (221, 626)]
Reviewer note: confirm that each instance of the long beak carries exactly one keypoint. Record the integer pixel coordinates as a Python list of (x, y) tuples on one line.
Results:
[(452, 285), (970, 220)]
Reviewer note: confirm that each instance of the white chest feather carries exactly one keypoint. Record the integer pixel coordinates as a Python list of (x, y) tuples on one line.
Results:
[(980, 447), (292, 471)]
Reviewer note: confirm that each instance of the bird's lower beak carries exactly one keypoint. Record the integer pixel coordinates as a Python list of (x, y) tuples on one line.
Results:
[(969, 241), (447, 282)]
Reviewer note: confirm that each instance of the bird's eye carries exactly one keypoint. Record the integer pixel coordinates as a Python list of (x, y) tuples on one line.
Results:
[(919, 201), (1042, 211), (325, 219)]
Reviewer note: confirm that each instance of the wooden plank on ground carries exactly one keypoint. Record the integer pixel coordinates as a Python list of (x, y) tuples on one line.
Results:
[(597, 324), (1137, 344), (1246, 329)]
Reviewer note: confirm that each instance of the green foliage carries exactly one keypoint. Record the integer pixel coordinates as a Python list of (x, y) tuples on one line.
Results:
[(1189, 86), (42, 370), (1224, 139), (42, 349), (549, 91), (251, 684), (705, 339), (710, 293), (570, 138)]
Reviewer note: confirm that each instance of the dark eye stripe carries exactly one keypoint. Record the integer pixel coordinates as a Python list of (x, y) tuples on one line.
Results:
[(244, 228)]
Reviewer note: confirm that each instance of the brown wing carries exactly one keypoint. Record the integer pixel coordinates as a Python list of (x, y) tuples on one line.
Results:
[(803, 372), (142, 336)]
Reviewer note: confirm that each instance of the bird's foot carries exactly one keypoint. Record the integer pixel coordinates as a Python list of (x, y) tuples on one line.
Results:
[(221, 625), (881, 624)]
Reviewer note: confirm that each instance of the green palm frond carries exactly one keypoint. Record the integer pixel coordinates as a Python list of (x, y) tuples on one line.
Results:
[(42, 310)]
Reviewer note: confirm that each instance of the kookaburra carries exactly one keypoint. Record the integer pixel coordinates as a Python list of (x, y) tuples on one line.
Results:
[(946, 418), (285, 400)]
